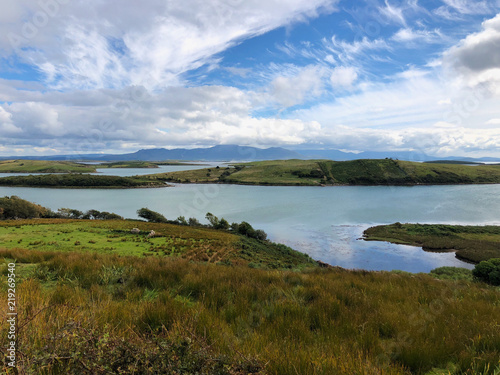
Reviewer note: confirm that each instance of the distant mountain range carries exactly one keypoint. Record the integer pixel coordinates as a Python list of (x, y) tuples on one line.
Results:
[(244, 153)]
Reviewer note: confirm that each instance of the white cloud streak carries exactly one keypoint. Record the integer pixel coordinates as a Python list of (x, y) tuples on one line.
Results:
[(93, 44)]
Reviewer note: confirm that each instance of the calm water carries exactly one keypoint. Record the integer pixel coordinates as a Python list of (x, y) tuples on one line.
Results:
[(324, 222), (123, 172)]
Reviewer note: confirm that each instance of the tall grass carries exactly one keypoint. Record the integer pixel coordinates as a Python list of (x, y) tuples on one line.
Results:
[(97, 314)]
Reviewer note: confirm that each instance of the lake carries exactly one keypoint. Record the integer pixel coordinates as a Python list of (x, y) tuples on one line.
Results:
[(324, 222)]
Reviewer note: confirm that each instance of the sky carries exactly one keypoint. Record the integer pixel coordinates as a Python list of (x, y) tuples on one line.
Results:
[(101, 76)]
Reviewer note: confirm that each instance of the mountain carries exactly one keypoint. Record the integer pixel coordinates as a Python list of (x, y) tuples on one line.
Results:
[(216, 153), (246, 153)]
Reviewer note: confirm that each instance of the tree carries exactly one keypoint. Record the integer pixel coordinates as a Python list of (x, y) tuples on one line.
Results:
[(181, 220), (246, 229), (93, 214), (260, 235), (223, 224), (213, 220), (193, 222), (151, 216)]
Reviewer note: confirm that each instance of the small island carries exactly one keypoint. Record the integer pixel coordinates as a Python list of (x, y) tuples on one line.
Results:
[(84, 181), (470, 243)]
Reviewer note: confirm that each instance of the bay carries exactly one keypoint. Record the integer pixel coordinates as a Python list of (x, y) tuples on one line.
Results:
[(324, 222)]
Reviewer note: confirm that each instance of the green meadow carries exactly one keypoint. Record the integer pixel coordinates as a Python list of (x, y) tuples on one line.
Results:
[(115, 237)]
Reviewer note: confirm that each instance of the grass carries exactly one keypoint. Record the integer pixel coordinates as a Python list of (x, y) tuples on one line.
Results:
[(80, 181), (115, 237), (326, 172), (471, 243), (88, 313), (43, 166)]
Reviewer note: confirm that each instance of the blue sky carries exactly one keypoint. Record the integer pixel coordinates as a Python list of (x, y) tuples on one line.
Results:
[(93, 76)]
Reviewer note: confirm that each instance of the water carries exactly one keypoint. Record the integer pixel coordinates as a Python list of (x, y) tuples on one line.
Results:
[(324, 222), (125, 172)]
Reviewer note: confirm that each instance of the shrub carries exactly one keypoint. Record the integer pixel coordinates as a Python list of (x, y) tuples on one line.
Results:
[(17, 208), (488, 271)]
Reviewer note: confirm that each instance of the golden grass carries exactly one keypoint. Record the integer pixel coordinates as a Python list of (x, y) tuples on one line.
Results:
[(98, 314)]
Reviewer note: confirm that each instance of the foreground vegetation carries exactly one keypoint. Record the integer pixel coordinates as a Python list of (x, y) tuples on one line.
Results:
[(471, 243), (80, 181), (326, 172), (43, 166), (86, 313)]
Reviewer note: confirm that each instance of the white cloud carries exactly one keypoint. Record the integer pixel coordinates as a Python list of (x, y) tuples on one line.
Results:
[(408, 35), (290, 91), (96, 44), (343, 77), (477, 57), (393, 13), (177, 117), (346, 51), (493, 121), (469, 6)]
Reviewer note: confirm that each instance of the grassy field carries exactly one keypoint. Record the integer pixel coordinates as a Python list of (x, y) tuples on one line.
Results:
[(115, 237), (43, 166), (471, 243), (80, 181), (90, 313), (324, 172)]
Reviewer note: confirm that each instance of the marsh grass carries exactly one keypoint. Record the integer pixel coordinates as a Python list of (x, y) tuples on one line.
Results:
[(98, 314)]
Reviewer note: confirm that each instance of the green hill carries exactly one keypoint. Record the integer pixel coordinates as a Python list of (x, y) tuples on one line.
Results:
[(43, 166), (327, 172)]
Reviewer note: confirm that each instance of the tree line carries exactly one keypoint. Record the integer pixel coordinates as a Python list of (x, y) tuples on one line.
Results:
[(12, 208)]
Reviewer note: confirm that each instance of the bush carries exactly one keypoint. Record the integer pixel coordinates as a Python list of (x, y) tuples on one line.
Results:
[(488, 271)]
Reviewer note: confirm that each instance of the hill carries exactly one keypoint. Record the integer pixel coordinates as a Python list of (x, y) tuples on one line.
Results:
[(325, 172), (41, 166)]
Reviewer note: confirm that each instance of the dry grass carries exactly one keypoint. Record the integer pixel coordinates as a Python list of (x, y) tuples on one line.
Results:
[(98, 314)]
